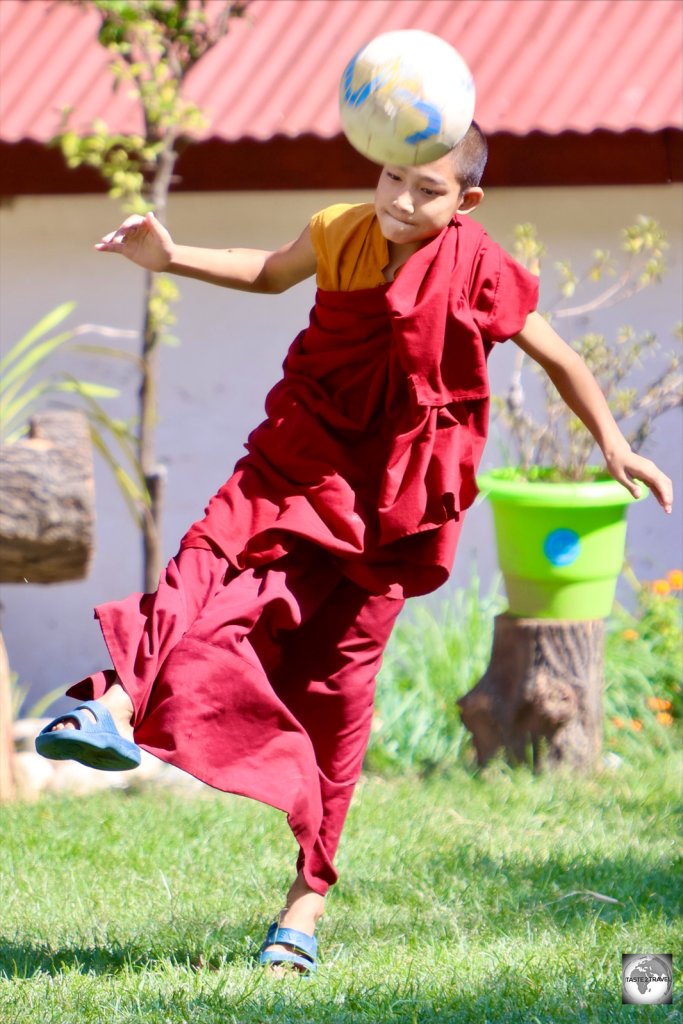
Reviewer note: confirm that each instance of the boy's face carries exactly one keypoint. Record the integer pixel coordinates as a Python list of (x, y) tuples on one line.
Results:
[(413, 204)]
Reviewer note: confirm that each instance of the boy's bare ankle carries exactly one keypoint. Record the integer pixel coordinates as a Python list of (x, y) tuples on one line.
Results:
[(303, 908), (120, 706), (117, 701)]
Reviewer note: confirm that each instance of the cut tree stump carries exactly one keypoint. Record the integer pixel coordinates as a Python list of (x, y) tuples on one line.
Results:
[(47, 519), (47, 503), (543, 687)]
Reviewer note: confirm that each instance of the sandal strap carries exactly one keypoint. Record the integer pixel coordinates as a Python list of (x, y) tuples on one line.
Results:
[(302, 953), (309, 966), (103, 718), (85, 724), (303, 943)]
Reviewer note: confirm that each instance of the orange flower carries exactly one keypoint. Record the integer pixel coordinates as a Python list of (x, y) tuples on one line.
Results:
[(675, 578), (664, 718), (658, 704), (636, 725), (618, 722), (661, 587), (629, 634)]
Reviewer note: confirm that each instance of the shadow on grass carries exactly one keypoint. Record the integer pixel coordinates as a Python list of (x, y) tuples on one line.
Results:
[(510, 996), (563, 889), (212, 952), (526, 893), (536, 893), (496, 1001)]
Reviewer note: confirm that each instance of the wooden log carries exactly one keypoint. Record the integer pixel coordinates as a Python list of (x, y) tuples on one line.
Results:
[(543, 687), (47, 505)]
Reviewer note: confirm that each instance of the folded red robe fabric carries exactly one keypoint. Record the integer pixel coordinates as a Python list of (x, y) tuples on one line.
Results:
[(253, 664), (375, 431), (259, 683)]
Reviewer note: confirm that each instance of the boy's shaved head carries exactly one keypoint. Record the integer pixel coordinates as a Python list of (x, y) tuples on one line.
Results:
[(469, 157)]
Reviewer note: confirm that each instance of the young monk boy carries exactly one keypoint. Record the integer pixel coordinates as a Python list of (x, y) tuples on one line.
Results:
[(253, 665)]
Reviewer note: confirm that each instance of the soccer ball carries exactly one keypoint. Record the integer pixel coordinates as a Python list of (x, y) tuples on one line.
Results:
[(407, 97)]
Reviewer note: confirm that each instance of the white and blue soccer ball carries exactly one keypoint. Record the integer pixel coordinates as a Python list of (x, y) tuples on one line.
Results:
[(407, 97)]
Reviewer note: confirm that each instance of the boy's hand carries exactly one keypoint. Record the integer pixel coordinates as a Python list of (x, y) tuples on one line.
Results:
[(143, 240), (628, 468), (579, 389)]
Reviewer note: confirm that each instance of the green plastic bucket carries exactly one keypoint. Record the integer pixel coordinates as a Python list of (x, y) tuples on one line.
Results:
[(560, 545)]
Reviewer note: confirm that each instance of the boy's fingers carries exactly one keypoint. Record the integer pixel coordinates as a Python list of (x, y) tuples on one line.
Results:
[(121, 233), (153, 224), (110, 245), (133, 221), (661, 486), (664, 493), (631, 485), (635, 470)]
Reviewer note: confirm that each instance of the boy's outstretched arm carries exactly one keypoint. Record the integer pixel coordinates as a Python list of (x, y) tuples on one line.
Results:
[(579, 389), (146, 242)]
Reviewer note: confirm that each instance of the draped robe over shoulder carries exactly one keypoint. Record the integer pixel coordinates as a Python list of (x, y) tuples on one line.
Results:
[(375, 431)]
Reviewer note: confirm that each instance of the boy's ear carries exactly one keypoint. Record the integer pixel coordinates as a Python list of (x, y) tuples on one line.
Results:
[(470, 199)]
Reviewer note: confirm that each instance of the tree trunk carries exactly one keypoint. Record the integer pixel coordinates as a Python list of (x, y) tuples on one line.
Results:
[(543, 686), (154, 474), (47, 514)]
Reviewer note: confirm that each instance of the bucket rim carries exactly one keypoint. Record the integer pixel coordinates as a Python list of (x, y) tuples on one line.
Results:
[(506, 484)]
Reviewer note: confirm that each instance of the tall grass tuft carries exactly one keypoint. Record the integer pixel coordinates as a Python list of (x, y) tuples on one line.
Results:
[(432, 659)]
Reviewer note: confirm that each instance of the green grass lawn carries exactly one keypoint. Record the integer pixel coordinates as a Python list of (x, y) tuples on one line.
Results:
[(492, 897)]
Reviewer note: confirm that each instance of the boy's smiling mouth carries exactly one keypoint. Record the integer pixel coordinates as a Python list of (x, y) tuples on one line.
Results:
[(399, 220)]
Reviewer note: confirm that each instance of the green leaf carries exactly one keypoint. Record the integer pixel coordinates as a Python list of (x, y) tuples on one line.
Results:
[(87, 388), (132, 495), (38, 709), (48, 322), (109, 351), (10, 412), (34, 357)]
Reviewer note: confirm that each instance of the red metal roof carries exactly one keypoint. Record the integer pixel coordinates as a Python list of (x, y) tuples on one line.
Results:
[(539, 65)]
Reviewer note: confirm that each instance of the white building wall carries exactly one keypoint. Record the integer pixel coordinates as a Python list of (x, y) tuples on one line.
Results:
[(232, 345)]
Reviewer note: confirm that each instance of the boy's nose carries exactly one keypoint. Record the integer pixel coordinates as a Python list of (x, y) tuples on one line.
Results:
[(404, 202)]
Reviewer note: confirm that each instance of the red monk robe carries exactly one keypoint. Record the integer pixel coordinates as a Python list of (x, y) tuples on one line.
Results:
[(253, 665)]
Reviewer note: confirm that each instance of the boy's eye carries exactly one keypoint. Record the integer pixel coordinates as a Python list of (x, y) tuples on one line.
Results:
[(394, 177), (429, 192)]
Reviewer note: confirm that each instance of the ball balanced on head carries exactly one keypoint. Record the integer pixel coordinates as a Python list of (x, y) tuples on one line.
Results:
[(406, 97)]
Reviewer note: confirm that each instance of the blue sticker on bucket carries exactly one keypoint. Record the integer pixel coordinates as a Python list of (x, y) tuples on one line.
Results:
[(562, 547)]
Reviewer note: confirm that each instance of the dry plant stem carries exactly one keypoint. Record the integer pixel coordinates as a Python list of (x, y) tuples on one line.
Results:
[(558, 439)]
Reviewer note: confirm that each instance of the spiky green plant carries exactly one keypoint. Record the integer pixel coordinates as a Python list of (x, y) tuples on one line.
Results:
[(27, 382), (431, 660)]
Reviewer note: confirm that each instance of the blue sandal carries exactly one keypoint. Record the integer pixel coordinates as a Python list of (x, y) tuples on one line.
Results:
[(304, 949), (96, 744)]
